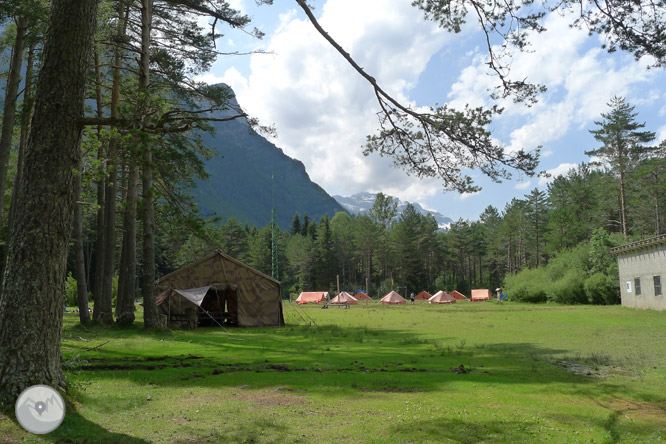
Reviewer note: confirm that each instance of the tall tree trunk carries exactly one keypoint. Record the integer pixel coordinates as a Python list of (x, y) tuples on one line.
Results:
[(623, 206), (26, 114), (150, 316), (11, 97), (80, 263), (106, 314), (106, 310), (31, 304), (127, 277), (101, 185)]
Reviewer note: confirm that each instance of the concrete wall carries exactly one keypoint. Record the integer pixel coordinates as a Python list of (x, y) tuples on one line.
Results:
[(644, 264)]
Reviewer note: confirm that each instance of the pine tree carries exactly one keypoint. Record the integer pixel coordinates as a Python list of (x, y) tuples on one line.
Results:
[(622, 146)]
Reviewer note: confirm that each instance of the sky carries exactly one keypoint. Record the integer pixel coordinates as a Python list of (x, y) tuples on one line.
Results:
[(323, 110)]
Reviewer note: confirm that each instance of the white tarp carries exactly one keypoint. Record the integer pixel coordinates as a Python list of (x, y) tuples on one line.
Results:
[(194, 295)]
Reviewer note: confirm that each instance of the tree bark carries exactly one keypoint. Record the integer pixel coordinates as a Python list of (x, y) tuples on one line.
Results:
[(150, 316), (31, 304), (11, 97), (80, 262), (26, 114), (101, 185), (127, 273), (623, 206)]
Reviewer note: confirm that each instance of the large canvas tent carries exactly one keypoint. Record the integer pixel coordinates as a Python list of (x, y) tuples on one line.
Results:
[(442, 297), (393, 298), (223, 288), (312, 297), (480, 295), (344, 298), (362, 296), (423, 296)]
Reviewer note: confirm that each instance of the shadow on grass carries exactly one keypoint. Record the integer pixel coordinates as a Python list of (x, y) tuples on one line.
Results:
[(75, 429), (460, 431)]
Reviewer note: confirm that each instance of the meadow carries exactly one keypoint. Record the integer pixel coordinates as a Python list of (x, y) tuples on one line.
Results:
[(461, 373)]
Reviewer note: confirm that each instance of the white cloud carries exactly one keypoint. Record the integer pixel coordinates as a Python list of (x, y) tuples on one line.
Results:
[(465, 196), (661, 134), (559, 170), (322, 108), (580, 79), (523, 185)]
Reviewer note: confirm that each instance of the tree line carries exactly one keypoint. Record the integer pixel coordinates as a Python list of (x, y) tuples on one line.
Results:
[(617, 197), (100, 136)]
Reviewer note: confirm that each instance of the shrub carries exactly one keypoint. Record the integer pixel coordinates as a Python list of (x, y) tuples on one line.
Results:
[(71, 295), (570, 288), (602, 289), (528, 285), (576, 258)]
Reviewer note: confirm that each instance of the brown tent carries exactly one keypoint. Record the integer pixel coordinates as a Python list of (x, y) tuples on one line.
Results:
[(393, 298), (223, 288), (458, 295), (423, 296), (312, 297), (442, 297), (480, 295), (344, 298), (362, 296)]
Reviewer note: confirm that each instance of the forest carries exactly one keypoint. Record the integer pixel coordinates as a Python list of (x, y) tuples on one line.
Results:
[(101, 138), (549, 245)]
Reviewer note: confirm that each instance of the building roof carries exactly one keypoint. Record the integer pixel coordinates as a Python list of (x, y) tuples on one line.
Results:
[(639, 245)]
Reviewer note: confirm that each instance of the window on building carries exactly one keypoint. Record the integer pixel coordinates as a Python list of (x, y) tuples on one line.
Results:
[(628, 286), (657, 285), (637, 286)]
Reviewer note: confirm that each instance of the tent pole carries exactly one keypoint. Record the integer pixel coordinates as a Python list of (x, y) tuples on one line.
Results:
[(204, 310)]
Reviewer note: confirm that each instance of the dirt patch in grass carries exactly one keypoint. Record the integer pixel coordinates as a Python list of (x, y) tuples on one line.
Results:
[(639, 410), (277, 397)]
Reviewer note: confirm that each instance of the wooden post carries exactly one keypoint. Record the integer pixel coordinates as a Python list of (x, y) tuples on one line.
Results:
[(338, 279)]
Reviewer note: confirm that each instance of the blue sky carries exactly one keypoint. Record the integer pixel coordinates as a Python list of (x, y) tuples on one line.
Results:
[(323, 110)]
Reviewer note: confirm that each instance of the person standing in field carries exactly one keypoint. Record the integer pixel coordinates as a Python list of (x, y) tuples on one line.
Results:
[(411, 297)]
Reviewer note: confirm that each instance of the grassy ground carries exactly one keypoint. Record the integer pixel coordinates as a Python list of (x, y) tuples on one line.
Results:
[(373, 374)]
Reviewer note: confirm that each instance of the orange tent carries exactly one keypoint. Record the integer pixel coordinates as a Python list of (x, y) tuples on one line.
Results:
[(480, 295), (457, 295), (360, 296), (344, 298), (312, 297), (423, 296), (393, 298), (442, 297)]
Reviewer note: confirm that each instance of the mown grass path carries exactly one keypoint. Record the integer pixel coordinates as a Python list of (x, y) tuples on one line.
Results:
[(463, 373)]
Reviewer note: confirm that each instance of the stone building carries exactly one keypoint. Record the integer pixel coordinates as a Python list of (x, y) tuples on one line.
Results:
[(642, 267)]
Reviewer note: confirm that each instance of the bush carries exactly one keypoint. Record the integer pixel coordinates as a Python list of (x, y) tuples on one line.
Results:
[(528, 285), (570, 288), (71, 295), (602, 289), (577, 258)]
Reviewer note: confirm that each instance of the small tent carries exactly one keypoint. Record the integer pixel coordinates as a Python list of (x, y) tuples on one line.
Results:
[(223, 288), (442, 297), (362, 296), (393, 298), (344, 298), (423, 296), (480, 295), (312, 297), (458, 295)]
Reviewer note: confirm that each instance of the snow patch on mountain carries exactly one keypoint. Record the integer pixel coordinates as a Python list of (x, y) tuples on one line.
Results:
[(360, 203)]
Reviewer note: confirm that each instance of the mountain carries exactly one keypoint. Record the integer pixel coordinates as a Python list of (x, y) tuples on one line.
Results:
[(360, 203), (239, 185)]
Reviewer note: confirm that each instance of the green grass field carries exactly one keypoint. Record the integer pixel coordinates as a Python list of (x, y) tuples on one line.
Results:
[(463, 373)]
